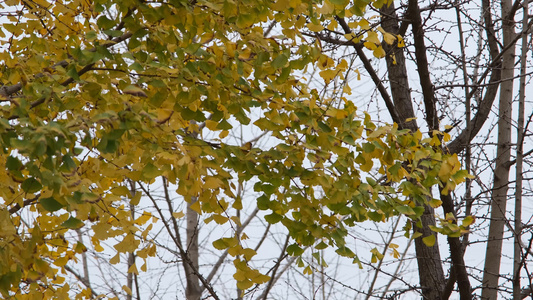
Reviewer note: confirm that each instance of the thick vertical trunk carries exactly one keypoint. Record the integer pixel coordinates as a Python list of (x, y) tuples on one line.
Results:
[(491, 272), (517, 266), (397, 72), (430, 270), (431, 273)]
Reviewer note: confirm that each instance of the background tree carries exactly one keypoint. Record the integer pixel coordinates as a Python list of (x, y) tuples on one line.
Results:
[(431, 46), (136, 123)]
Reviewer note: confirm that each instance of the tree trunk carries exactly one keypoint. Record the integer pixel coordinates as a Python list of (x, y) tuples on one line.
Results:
[(517, 266), (491, 272), (430, 270), (431, 273), (397, 72), (193, 291)]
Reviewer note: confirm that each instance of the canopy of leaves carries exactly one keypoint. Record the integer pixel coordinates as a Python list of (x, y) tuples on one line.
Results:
[(98, 93)]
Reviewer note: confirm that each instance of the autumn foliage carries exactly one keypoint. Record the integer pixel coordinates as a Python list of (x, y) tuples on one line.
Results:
[(97, 95)]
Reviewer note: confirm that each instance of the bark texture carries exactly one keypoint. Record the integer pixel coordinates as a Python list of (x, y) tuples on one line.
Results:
[(193, 291), (491, 271)]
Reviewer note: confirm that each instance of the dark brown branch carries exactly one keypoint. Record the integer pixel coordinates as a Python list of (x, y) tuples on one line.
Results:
[(368, 67), (26, 202), (456, 254), (422, 63)]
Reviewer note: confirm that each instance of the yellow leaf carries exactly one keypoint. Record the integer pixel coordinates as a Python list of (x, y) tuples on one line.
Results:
[(220, 219), (370, 45), (388, 38), (468, 220), (61, 261), (435, 203), (372, 37), (196, 207), (315, 27), (115, 259), (206, 37), (328, 75), (133, 269), (379, 52), (98, 248), (376, 255), (178, 215), (80, 248), (395, 253), (429, 240), (239, 276), (41, 266), (260, 278), (128, 244), (144, 234), (248, 253), (164, 114), (223, 134), (136, 198), (358, 74), (445, 170), (244, 285), (246, 54), (126, 289), (121, 191), (333, 25), (213, 183), (143, 218), (326, 8), (211, 125), (351, 37), (416, 235), (364, 24), (343, 65), (401, 42)]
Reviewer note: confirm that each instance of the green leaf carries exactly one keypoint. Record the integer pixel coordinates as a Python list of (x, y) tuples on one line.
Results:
[(340, 2), (280, 61), (405, 210), (273, 218), (375, 216), (51, 204), (104, 23), (150, 172), (263, 202), (321, 246), (72, 72), (345, 251), (13, 163), (113, 33), (31, 185), (295, 250), (91, 35), (72, 223), (220, 244)]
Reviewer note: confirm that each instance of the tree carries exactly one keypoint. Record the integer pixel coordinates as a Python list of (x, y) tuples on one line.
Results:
[(496, 48), (103, 99)]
